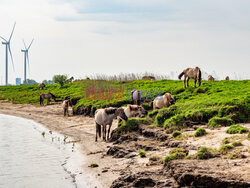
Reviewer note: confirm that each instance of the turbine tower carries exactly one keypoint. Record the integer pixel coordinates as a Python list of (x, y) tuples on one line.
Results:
[(26, 57), (8, 50)]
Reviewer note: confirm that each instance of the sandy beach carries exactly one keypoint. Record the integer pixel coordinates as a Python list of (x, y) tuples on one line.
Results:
[(118, 161), (78, 128)]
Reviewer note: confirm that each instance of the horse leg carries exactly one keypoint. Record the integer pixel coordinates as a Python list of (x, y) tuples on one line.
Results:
[(64, 113), (195, 80), (184, 81), (187, 82), (109, 131), (103, 132)]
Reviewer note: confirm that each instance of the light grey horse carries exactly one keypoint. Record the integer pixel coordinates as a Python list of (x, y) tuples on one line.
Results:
[(136, 96), (163, 101), (133, 111), (104, 117)]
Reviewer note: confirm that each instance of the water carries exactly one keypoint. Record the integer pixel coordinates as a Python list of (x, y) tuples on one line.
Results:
[(28, 159)]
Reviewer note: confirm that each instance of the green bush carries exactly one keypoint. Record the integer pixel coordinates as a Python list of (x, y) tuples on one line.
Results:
[(225, 148), (237, 143), (226, 140), (176, 133), (205, 153), (142, 153), (60, 79), (176, 153), (234, 129), (200, 132), (220, 121)]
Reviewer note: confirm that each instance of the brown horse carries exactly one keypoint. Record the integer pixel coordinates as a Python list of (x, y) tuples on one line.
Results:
[(193, 73), (47, 96), (65, 105), (210, 78), (70, 80), (148, 78), (227, 78), (41, 86)]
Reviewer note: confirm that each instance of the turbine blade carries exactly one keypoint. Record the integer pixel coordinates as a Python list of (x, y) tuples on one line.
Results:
[(12, 30), (11, 57), (3, 39), (24, 45), (28, 61), (30, 44)]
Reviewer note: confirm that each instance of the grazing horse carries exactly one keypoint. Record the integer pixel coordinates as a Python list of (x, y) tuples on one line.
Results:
[(148, 78), (65, 105), (104, 117), (70, 80), (227, 78), (47, 96), (133, 111), (136, 96), (210, 78), (41, 86), (163, 101), (194, 73)]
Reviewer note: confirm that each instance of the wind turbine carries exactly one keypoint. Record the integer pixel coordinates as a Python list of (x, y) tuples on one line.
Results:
[(26, 57), (7, 50)]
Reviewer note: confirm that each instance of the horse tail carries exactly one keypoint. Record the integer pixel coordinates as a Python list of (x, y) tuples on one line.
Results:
[(199, 74), (41, 100), (181, 75)]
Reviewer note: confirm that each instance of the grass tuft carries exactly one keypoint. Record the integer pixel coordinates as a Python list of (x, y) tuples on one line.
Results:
[(200, 132), (142, 153), (236, 129)]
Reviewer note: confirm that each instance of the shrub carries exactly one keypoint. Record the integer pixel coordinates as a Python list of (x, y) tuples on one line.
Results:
[(132, 124), (175, 121), (176, 153), (225, 140), (225, 148), (176, 133), (60, 79), (234, 129), (142, 153), (220, 121), (43, 133), (164, 114), (205, 153), (237, 143), (200, 132)]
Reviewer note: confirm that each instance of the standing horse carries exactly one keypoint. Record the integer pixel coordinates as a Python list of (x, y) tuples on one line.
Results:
[(47, 96), (65, 105), (133, 111), (210, 78), (41, 86), (136, 96), (194, 73), (148, 78), (104, 117), (227, 78), (163, 101), (70, 80)]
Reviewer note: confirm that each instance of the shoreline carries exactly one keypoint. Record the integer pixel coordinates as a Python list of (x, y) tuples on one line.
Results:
[(79, 128)]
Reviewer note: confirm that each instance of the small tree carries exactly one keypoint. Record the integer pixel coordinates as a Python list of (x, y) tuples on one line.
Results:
[(60, 79)]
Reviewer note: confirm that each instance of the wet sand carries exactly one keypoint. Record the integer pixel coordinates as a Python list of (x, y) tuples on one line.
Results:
[(78, 128)]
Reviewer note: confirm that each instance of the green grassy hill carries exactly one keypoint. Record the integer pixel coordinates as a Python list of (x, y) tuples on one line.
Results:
[(219, 103)]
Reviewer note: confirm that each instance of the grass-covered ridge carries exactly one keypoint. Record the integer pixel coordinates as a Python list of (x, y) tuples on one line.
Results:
[(222, 102)]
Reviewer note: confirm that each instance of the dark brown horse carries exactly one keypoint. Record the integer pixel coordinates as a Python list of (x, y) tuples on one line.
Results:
[(194, 73), (47, 96), (41, 86)]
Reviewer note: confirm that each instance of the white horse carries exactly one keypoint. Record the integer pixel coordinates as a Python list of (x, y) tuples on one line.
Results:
[(133, 111), (165, 100), (65, 105), (104, 117)]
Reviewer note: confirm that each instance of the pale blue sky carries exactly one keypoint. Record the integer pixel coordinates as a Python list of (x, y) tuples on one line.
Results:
[(82, 37)]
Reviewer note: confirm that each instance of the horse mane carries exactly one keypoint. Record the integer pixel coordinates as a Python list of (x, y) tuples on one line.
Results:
[(167, 96), (110, 110), (53, 96)]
